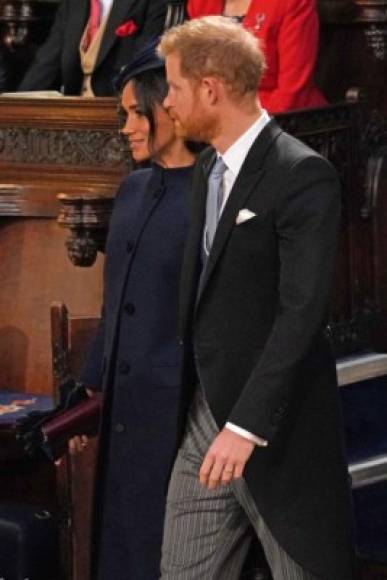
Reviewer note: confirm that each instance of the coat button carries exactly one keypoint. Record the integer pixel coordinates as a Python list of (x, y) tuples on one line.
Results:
[(123, 367), (119, 428), (129, 246), (129, 308)]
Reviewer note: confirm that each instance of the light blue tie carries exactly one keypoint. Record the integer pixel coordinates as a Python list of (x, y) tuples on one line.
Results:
[(214, 203)]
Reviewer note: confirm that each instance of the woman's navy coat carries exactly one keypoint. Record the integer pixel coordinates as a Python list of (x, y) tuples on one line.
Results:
[(137, 360)]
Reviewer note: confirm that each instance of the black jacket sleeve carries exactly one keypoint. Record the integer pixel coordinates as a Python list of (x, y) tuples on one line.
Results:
[(307, 218), (45, 70)]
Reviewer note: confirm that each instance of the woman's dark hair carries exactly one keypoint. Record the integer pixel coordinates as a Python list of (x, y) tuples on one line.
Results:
[(150, 88)]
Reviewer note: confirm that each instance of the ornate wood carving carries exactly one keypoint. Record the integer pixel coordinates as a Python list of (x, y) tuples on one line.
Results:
[(61, 145), (24, 25), (61, 131), (355, 141), (68, 146), (334, 132), (16, 15), (87, 218), (354, 40), (373, 14), (373, 148), (58, 147)]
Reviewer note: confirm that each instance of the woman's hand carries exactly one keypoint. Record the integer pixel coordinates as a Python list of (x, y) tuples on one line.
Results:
[(77, 444)]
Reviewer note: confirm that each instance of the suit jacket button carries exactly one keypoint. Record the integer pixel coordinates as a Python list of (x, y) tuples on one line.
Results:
[(129, 308), (123, 367), (119, 428)]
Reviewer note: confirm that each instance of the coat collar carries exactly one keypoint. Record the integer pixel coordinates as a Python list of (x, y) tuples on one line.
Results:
[(251, 173)]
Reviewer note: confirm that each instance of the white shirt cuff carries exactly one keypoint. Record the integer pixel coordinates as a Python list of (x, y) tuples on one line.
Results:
[(247, 435)]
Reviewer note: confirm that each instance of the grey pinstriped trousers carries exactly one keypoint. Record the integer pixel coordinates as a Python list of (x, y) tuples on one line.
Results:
[(207, 534)]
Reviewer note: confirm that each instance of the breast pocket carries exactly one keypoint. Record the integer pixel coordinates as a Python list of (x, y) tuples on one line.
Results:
[(258, 225), (252, 241)]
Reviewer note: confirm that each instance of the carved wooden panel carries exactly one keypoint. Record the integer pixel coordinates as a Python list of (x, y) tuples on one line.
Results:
[(24, 25), (354, 141), (47, 147), (65, 145), (353, 49), (71, 147)]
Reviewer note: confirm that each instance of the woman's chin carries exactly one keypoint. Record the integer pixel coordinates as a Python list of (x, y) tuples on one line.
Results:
[(139, 157)]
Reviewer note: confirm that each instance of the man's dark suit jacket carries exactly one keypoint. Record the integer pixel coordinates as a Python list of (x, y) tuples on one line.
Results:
[(57, 62), (257, 329)]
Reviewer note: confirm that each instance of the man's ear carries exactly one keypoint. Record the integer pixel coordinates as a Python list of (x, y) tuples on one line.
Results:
[(211, 90)]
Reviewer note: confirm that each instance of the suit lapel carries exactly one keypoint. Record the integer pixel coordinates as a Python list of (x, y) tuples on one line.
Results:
[(247, 181), (120, 11)]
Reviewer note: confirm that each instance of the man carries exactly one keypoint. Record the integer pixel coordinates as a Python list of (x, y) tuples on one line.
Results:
[(89, 42), (262, 449)]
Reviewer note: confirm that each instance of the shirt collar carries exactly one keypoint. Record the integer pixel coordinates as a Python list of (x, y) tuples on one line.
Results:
[(237, 153), (106, 6)]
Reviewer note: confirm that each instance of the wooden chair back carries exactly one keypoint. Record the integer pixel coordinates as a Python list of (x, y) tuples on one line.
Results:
[(71, 337)]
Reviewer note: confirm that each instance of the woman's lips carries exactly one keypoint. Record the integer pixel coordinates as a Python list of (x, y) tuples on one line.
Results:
[(136, 143)]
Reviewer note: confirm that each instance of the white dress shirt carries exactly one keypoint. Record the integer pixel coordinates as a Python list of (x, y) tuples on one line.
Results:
[(234, 158), (106, 6), (235, 155)]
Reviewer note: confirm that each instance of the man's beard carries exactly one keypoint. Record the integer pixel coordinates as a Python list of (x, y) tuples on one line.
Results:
[(197, 127)]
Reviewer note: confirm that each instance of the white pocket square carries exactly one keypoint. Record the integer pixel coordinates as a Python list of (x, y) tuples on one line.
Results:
[(244, 215)]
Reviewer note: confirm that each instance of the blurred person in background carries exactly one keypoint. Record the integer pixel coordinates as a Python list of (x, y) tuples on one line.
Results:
[(89, 42), (289, 35)]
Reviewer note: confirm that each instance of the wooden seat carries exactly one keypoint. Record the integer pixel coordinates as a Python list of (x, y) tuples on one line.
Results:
[(71, 337)]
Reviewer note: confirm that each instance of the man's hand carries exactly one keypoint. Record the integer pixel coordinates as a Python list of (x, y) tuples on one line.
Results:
[(226, 459)]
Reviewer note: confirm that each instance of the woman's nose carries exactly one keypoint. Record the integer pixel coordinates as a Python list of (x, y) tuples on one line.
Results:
[(129, 126)]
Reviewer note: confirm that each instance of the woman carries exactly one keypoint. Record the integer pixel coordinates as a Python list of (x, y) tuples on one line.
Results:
[(135, 356), (288, 30)]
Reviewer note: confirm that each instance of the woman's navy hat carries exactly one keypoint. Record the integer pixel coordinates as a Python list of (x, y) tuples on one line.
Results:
[(143, 60)]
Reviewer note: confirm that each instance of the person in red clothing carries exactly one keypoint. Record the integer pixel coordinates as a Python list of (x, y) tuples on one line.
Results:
[(289, 32)]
